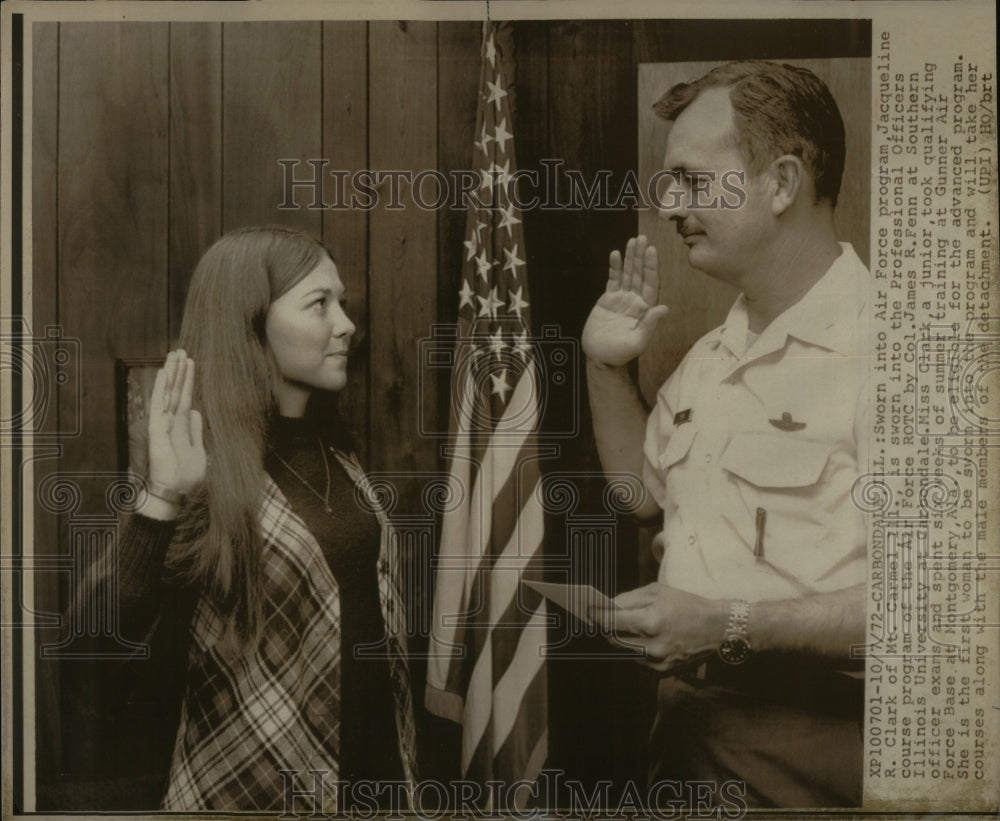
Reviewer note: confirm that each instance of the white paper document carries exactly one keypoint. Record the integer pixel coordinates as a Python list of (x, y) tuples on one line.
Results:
[(573, 598)]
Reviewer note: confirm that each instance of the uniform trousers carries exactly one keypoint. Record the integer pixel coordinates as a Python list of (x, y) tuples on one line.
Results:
[(790, 729)]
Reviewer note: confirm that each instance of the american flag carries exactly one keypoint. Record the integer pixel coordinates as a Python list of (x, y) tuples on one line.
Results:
[(486, 668)]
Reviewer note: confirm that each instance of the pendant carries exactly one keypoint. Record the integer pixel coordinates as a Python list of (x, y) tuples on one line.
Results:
[(328, 508)]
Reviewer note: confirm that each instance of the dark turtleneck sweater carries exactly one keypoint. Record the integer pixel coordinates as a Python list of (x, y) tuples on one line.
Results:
[(349, 537)]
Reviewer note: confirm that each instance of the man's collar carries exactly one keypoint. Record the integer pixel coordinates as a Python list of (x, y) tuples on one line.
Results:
[(826, 316)]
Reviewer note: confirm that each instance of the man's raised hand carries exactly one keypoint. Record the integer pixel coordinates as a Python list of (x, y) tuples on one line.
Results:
[(621, 323)]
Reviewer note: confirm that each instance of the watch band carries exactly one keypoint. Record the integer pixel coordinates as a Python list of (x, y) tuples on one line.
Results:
[(161, 491), (739, 618), (735, 646)]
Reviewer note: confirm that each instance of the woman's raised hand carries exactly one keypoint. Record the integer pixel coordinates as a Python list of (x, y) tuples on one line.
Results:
[(621, 323), (177, 458)]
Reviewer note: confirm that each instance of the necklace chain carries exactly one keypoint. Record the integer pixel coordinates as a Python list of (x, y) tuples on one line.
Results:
[(325, 498)]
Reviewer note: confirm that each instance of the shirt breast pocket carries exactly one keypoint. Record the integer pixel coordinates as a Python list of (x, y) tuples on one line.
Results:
[(773, 462), (786, 496)]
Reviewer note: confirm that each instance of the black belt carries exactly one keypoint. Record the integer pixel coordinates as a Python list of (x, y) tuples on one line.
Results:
[(809, 682)]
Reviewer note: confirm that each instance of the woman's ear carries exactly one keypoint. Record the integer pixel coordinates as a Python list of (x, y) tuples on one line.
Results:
[(787, 178)]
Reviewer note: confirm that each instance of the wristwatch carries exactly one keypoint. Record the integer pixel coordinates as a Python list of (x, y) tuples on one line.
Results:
[(735, 647)]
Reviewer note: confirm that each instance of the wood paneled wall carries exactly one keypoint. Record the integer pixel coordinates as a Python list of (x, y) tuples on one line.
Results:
[(151, 139)]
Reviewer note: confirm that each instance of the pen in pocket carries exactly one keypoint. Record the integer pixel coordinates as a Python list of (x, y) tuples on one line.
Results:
[(758, 548)]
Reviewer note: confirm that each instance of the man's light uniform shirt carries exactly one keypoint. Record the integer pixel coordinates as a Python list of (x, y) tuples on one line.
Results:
[(779, 427)]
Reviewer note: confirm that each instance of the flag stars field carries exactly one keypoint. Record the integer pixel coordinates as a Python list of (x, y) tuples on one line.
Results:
[(521, 345), (497, 92), (465, 295), (511, 260), (484, 141), (501, 135), (517, 303), (497, 344), (508, 219), (483, 265), (500, 385), (491, 51)]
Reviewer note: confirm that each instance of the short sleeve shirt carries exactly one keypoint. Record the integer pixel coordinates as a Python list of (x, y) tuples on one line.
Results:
[(753, 452)]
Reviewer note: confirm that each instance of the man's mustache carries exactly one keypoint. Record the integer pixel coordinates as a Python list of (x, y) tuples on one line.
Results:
[(683, 228)]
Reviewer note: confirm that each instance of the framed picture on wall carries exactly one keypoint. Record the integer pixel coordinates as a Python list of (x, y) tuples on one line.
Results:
[(134, 379)]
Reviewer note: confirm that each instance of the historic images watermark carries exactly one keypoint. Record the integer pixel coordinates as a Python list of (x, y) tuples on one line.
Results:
[(312, 794), (310, 184)]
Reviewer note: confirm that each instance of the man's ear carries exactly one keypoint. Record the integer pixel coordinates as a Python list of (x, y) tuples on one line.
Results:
[(788, 177)]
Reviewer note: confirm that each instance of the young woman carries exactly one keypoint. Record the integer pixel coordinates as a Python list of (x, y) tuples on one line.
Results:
[(257, 512)]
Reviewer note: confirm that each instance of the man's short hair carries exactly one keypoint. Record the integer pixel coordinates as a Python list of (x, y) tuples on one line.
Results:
[(779, 109)]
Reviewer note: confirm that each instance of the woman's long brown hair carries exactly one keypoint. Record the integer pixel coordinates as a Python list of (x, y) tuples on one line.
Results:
[(232, 287)]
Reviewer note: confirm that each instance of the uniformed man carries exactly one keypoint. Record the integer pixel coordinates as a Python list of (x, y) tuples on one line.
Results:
[(752, 449)]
